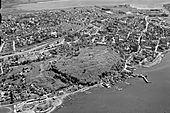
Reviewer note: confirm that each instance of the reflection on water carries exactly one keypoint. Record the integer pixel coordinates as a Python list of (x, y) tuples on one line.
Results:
[(72, 3)]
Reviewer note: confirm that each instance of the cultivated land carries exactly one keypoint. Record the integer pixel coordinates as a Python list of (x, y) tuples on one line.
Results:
[(50, 54)]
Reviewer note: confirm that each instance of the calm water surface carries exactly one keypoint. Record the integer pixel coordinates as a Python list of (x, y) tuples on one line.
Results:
[(135, 98), (5, 110), (72, 3)]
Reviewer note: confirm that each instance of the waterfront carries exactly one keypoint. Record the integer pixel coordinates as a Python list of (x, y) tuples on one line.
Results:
[(5, 110), (135, 98), (77, 3), (138, 97), (165, 63)]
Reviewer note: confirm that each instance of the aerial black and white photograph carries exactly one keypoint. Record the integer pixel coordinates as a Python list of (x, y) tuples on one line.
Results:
[(85, 56)]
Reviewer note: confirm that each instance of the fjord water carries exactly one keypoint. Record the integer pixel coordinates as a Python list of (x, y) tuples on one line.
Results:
[(5, 110), (138, 97), (135, 98), (56, 4)]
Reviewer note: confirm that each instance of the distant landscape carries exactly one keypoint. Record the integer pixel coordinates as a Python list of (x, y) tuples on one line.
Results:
[(167, 6), (52, 50), (10, 3)]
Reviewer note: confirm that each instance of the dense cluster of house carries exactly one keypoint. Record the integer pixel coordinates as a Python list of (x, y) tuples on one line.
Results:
[(137, 38)]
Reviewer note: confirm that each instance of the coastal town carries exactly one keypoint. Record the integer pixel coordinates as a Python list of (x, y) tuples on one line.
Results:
[(48, 55)]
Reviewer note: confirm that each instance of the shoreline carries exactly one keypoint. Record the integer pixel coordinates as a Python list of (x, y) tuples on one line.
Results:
[(135, 98), (161, 62), (56, 101), (61, 100), (156, 61), (53, 102), (10, 109), (40, 5)]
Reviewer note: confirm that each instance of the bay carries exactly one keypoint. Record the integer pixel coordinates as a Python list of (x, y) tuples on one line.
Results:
[(135, 98), (138, 97), (5, 110), (57, 4)]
